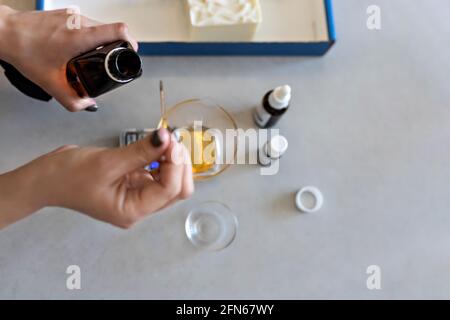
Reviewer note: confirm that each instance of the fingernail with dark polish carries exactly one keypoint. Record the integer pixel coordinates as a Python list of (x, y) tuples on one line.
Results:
[(156, 139), (93, 108)]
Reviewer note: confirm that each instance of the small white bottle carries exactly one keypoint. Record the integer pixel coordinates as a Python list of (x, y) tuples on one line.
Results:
[(274, 105), (272, 150)]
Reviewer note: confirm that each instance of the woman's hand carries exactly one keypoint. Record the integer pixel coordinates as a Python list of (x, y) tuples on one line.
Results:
[(107, 184), (40, 44)]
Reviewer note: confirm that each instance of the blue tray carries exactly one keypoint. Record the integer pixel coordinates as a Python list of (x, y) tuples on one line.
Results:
[(176, 48)]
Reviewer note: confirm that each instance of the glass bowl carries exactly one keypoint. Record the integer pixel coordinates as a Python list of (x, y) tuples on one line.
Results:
[(202, 126), (211, 226)]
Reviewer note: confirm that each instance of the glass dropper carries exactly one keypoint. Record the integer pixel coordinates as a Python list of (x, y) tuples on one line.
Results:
[(162, 99)]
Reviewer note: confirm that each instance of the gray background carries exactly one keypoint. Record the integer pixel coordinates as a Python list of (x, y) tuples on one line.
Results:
[(369, 125)]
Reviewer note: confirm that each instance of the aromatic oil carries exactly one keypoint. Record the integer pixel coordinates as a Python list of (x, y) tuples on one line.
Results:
[(202, 146)]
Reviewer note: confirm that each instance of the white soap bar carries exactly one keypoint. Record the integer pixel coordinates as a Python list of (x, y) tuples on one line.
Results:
[(224, 20)]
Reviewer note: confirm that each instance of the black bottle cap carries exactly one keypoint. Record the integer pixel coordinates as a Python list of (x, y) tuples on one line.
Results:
[(123, 65)]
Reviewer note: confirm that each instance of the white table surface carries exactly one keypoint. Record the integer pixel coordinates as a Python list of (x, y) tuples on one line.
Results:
[(369, 125)]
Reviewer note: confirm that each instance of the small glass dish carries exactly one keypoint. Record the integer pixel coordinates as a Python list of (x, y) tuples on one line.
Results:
[(211, 226)]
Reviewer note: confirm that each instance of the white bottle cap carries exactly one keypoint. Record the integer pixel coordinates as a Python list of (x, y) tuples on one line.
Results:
[(317, 196), (277, 147), (280, 97)]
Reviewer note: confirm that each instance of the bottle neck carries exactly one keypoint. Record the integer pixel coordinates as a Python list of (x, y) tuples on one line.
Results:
[(123, 65)]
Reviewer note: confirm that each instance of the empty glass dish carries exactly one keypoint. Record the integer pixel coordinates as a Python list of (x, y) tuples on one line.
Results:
[(211, 226)]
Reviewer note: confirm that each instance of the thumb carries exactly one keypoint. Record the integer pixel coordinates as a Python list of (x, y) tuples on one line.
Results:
[(141, 153)]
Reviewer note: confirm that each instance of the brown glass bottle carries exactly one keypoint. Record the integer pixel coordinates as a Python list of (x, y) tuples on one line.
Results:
[(104, 69)]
